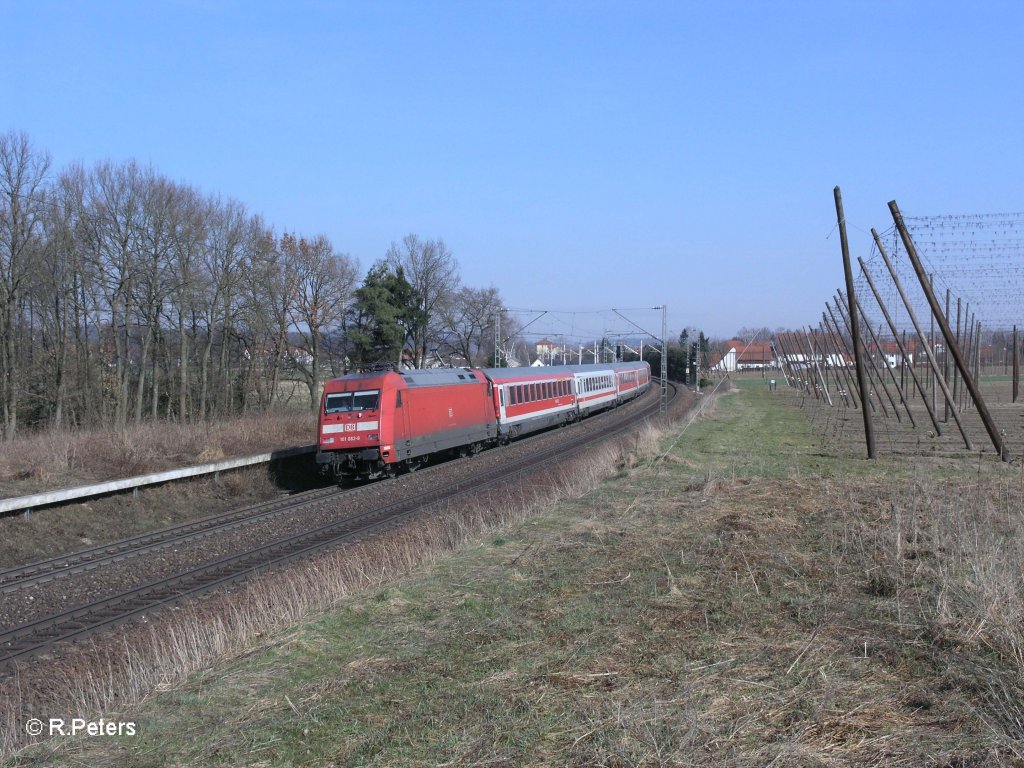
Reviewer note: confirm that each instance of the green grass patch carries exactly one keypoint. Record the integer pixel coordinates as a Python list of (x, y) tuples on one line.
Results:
[(738, 603)]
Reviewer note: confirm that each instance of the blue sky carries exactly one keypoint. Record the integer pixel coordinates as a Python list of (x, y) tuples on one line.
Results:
[(577, 155)]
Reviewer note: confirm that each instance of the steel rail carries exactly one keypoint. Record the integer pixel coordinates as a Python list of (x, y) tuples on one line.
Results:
[(41, 571), (35, 636)]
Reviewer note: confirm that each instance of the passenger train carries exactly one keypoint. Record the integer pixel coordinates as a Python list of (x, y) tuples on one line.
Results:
[(374, 424)]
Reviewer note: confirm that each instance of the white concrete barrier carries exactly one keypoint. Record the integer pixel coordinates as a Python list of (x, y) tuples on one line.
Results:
[(28, 503)]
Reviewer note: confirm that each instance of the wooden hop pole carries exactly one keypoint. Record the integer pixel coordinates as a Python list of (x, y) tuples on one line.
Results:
[(862, 385)]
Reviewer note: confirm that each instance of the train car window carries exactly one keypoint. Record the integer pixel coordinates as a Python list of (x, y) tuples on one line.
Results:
[(398, 399), (338, 403), (533, 392), (342, 402), (501, 396), (367, 400)]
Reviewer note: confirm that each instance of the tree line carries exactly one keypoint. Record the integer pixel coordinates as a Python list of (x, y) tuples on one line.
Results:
[(126, 296)]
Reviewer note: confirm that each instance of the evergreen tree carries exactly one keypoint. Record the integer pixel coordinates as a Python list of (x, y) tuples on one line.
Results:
[(379, 319)]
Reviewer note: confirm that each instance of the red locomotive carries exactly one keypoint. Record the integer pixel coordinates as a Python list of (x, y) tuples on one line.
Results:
[(373, 424)]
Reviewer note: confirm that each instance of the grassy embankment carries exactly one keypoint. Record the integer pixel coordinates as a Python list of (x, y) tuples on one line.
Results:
[(750, 599)]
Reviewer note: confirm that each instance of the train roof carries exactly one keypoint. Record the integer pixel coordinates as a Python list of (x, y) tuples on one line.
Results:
[(433, 377), (420, 377), (555, 370)]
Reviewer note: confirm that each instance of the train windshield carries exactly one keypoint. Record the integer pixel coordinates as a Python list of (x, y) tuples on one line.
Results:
[(343, 402)]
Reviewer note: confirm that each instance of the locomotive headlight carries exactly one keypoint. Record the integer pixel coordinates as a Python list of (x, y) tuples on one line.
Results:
[(375, 437)]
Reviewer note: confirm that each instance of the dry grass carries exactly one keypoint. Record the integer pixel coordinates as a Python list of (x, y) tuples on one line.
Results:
[(48, 460), (949, 557), (109, 675)]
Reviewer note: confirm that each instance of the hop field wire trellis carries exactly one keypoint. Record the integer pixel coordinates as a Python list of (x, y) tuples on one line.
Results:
[(936, 339)]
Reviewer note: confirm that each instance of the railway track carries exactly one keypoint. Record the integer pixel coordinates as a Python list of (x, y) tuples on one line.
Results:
[(39, 635), (42, 571)]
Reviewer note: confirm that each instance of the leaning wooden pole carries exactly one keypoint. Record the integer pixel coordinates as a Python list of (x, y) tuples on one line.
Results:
[(798, 381), (841, 388), (817, 368), (830, 362), (885, 364), (929, 356), (839, 330), (1016, 364), (971, 384), (840, 343), (869, 367), (945, 360), (959, 338), (901, 345), (862, 384)]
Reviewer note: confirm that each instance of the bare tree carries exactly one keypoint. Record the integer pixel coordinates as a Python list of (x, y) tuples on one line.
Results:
[(188, 238), (325, 281), (223, 257), (432, 271), (23, 172), (468, 324)]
